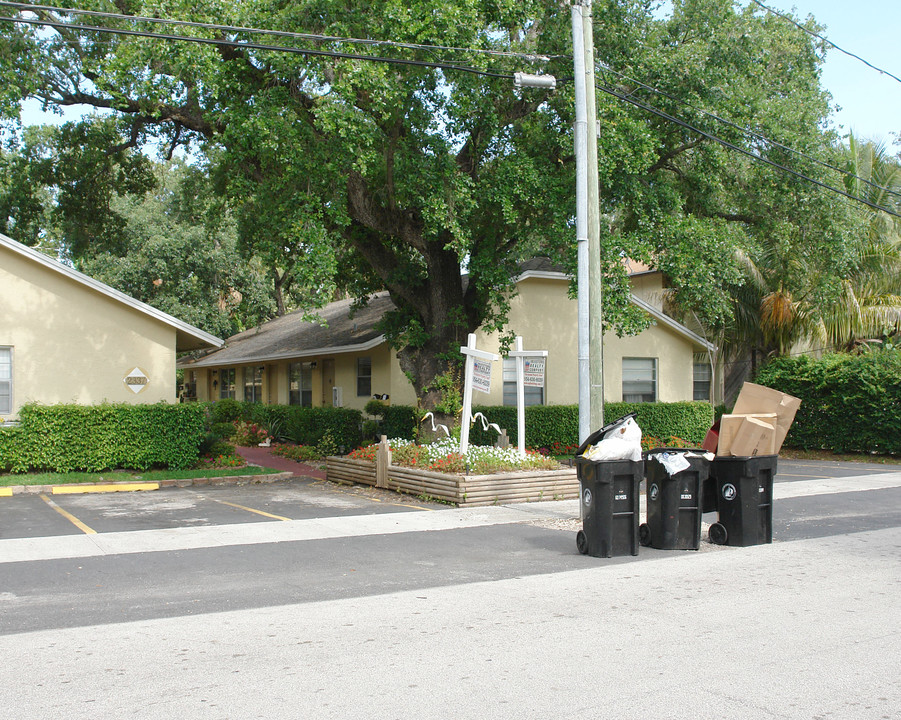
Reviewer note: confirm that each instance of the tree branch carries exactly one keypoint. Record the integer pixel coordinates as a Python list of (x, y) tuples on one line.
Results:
[(675, 152)]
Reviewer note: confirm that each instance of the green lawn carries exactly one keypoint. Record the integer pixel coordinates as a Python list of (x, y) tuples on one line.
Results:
[(127, 476)]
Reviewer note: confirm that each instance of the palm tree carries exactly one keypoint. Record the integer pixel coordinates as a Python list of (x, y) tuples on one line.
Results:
[(869, 306)]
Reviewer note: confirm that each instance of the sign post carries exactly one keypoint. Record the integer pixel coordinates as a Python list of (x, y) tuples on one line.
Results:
[(529, 372), (478, 376)]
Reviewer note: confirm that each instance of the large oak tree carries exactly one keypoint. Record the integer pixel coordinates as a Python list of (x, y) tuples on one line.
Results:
[(433, 181)]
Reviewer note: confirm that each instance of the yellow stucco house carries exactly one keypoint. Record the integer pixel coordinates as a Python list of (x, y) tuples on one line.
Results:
[(347, 361), (65, 337)]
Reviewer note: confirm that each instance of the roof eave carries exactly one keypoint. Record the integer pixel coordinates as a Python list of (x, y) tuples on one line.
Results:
[(188, 337), (212, 361)]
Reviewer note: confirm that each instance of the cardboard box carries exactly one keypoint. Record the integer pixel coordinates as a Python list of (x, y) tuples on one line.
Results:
[(756, 399), (747, 435), (712, 439)]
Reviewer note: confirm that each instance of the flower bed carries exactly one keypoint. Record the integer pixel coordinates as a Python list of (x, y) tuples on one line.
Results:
[(437, 471)]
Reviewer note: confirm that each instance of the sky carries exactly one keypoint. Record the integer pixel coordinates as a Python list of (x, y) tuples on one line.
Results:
[(870, 102)]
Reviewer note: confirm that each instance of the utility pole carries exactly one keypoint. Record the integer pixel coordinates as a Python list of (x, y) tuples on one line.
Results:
[(588, 229), (580, 131), (595, 281)]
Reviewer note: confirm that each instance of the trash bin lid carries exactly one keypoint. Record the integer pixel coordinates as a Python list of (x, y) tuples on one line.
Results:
[(677, 451), (599, 434)]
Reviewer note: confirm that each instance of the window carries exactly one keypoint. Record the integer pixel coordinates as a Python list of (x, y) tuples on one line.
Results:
[(364, 377), (639, 379), (253, 384), (300, 384), (227, 383), (531, 395), (6, 380), (702, 378)]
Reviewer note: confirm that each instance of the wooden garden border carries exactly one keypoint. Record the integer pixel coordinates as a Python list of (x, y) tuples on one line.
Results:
[(468, 490)]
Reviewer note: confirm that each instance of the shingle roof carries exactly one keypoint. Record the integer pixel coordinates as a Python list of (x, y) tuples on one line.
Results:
[(292, 336)]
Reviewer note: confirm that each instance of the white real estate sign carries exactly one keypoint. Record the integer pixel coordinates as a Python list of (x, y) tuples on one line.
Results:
[(479, 379), (481, 375), (529, 371), (533, 372)]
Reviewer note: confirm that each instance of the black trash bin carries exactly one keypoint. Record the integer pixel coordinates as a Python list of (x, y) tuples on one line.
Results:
[(674, 501), (609, 497), (744, 500)]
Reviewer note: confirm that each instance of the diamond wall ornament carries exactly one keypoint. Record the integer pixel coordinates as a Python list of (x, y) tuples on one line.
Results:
[(136, 380)]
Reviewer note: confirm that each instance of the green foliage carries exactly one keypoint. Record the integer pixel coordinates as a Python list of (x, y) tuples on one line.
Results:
[(299, 453), (848, 402), (371, 176), (308, 426), (375, 407), (223, 430), (226, 411), (370, 429), (687, 420), (13, 455), (400, 421), (327, 445), (63, 438), (447, 385), (394, 421), (220, 448), (547, 425)]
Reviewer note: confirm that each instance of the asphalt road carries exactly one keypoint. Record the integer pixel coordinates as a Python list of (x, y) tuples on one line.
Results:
[(307, 600)]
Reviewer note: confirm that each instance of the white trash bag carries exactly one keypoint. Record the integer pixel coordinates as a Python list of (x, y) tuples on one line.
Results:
[(621, 442)]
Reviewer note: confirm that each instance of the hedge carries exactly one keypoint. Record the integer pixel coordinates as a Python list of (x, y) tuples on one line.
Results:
[(849, 403), (545, 424), (93, 438), (550, 424), (303, 425), (399, 421)]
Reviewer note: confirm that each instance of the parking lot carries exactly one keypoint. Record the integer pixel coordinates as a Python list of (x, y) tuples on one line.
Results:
[(47, 514)]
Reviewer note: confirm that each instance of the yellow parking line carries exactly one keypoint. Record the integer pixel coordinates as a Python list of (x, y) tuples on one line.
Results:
[(112, 487), (69, 516), (242, 507), (325, 484), (6, 492)]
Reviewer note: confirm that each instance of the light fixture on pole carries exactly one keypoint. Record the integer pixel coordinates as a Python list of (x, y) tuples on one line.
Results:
[(591, 394)]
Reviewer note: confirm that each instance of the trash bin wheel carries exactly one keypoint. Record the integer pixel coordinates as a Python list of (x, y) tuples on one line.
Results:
[(582, 542), (644, 534), (718, 534)]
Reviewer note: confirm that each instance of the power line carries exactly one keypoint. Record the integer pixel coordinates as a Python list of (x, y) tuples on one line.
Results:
[(790, 19), (255, 46), (399, 61), (760, 158), (748, 131), (277, 33)]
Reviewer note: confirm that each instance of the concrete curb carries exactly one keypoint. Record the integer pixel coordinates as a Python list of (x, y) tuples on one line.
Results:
[(132, 486)]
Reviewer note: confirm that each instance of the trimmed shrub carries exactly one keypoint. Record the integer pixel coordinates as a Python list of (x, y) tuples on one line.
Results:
[(226, 411), (220, 448), (399, 421), (223, 430), (12, 450), (558, 425), (92, 438), (299, 453), (849, 403), (309, 425)]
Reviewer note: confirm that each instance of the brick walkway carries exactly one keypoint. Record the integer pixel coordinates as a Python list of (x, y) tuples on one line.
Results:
[(262, 456)]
